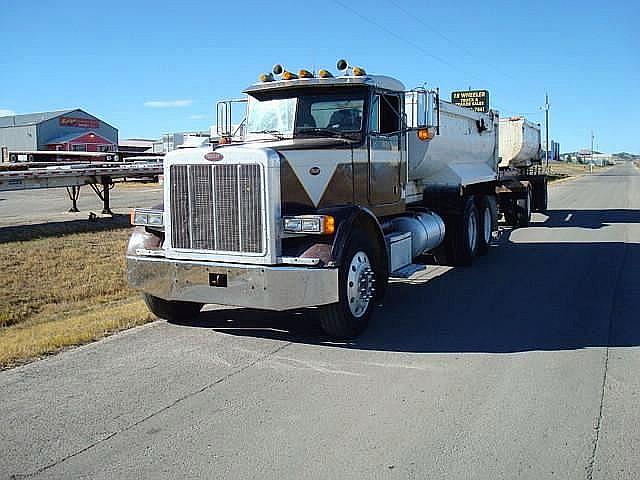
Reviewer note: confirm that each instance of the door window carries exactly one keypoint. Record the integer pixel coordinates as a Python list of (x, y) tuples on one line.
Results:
[(389, 113)]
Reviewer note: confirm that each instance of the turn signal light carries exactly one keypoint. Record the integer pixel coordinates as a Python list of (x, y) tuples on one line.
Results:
[(423, 134)]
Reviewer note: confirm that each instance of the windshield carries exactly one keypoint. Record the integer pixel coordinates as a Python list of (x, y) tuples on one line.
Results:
[(271, 117), (304, 113)]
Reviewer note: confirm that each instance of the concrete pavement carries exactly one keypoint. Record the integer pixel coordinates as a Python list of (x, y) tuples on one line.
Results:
[(23, 207), (523, 366)]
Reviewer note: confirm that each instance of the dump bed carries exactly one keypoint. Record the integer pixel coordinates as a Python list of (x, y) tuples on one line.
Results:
[(519, 145), (464, 153)]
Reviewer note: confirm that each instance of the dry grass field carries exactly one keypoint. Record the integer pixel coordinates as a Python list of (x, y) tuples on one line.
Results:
[(62, 289), (565, 169)]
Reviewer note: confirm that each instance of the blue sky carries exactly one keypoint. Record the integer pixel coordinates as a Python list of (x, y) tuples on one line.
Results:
[(154, 67)]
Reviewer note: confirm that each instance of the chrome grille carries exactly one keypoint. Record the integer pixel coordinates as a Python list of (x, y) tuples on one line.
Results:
[(217, 207)]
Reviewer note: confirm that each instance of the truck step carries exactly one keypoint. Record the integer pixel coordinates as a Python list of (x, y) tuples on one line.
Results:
[(407, 270)]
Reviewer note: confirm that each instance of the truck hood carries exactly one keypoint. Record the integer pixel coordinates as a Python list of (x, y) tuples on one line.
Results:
[(314, 172)]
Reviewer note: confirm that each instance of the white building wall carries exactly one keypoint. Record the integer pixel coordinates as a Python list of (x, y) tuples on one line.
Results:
[(19, 138)]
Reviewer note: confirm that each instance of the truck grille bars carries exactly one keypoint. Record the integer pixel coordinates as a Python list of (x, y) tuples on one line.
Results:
[(217, 208)]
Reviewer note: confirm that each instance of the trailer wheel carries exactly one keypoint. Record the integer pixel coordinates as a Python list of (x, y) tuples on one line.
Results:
[(487, 223), (171, 310), (541, 196), (518, 210), (523, 209), (356, 292)]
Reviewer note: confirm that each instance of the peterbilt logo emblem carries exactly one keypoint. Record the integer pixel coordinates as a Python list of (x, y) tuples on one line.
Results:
[(314, 170), (213, 156)]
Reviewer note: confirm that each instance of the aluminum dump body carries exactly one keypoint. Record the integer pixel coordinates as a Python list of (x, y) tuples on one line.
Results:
[(463, 153), (519, 142)]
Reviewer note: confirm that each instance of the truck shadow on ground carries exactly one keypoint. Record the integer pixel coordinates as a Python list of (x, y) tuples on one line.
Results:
[(593, 219), (21, 233), (520, 297)]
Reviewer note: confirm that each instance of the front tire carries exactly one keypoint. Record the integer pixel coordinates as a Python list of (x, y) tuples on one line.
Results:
[(172, 310), (356, 292)]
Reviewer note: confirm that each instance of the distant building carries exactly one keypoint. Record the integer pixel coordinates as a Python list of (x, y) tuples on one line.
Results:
[(554, 151), (585, 156), (135, 145), (63, 130), (172, 141)]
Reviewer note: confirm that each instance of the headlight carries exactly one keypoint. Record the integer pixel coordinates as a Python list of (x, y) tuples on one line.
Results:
[(320, 224), (145, 217), (293, 224)]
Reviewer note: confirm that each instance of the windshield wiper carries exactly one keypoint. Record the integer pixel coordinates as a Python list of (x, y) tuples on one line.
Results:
[(275, 133), (325, 131)]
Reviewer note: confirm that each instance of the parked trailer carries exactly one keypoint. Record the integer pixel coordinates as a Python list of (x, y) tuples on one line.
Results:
[(339, 183), (100, 177)]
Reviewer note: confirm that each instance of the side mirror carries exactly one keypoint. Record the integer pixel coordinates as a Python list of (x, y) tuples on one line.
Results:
[(423, 109), (224, 120)]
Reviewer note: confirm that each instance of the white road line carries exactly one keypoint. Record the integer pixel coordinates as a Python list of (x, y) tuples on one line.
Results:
[(568, 217)]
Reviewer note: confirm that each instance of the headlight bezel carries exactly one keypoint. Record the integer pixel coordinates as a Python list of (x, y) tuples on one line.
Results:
[(147, 217), (309, 224)]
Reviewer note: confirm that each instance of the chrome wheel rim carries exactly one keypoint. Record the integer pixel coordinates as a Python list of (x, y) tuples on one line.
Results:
[(487, 225), (360, 284), (472, 231)]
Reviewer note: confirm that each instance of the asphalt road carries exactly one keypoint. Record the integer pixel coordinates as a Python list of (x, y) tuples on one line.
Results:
[(522, 366)]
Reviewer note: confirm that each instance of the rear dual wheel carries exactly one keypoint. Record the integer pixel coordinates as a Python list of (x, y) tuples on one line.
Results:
[(488, 222), (461, 239)]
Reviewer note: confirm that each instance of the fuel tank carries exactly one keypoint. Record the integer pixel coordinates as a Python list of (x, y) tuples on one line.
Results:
[(519, 142), (465, 151)]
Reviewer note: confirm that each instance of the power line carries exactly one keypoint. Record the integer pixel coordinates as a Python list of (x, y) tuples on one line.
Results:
[(405, 40), (445, 37)]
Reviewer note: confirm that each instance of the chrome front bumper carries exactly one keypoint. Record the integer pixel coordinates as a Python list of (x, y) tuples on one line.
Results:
[(251, 286)]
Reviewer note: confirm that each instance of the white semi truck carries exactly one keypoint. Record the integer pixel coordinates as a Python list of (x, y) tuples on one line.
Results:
[(338, 183)]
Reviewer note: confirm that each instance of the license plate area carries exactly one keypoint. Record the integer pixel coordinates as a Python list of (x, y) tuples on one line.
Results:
[(217, 279)]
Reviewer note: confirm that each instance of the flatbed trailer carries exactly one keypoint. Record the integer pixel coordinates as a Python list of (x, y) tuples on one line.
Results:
[(100, 177)]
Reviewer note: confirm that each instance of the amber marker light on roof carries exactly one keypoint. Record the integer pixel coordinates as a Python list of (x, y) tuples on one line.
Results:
[(359, 71), (305, 74), (266, 77), (289, 75), (325, 74)]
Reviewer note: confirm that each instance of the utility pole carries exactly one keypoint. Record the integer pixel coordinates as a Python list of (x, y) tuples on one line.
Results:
[(592, 161), (546, 126)]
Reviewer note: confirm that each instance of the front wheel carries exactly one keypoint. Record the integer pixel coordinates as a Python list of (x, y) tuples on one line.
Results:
[(357, 286), (172, 310)]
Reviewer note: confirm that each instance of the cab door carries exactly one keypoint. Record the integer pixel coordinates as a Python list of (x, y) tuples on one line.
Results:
[(385, 149)]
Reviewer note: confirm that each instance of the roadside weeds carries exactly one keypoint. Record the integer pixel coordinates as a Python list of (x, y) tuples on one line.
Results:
[(64, 290)]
